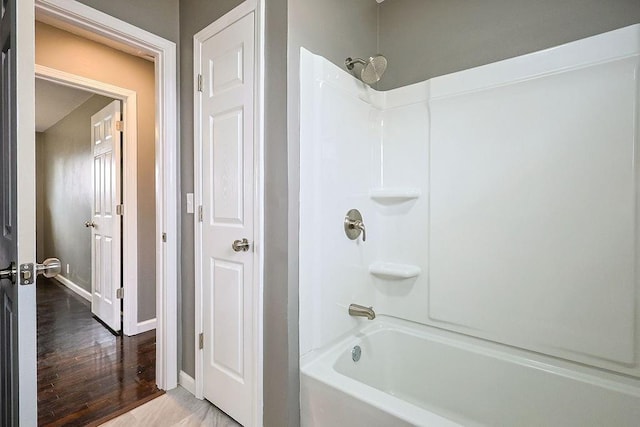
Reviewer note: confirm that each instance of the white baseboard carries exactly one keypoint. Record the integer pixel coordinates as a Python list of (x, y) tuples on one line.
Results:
[(75, 288), (146, 325), (187, 382)]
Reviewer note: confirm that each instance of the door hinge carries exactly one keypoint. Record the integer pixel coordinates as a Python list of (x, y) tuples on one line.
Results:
[(120, 293), (200, 215), (199, 82), (120, 210), (164, 237), (201, 341), (119, 125)]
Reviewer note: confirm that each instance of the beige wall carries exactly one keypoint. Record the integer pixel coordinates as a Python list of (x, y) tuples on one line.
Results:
[(64, 51), (64, 191)]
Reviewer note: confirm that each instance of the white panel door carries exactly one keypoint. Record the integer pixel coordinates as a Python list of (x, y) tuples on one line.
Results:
[(227, 210), (17, 215), (105, 223)]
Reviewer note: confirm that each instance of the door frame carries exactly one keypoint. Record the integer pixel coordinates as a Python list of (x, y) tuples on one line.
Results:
[(73, 14), (129, 185), (25, 386), (256, 6)]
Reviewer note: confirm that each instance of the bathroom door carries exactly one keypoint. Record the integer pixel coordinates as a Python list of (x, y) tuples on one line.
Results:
[(225, 233), (105, 223), (18, 399)]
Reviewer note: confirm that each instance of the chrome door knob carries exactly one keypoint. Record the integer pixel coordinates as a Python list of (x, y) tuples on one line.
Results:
[(90, 224), (50, 267), (27, 273), (240, 245)]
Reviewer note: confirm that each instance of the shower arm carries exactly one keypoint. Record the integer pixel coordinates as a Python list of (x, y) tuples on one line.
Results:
[(350, 62)]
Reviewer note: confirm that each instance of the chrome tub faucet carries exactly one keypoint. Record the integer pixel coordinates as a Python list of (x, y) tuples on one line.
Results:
[(361, 311)]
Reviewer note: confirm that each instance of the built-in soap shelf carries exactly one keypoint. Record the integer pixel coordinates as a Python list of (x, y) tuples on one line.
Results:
[(394, 271), (394, 195)]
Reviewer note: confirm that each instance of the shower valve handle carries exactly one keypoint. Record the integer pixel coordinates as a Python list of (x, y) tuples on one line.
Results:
[(353, 225), (359, 225)]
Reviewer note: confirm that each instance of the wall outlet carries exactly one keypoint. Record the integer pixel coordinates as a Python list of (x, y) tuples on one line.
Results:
[(67, 268)]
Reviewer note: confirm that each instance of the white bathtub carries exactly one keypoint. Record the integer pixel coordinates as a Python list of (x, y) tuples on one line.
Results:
[(411, 374)]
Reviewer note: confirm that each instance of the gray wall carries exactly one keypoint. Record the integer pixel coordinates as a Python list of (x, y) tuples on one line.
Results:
[(334, 29), (194, 16), (281, 383), (157, 16), (422, 39), (427, 38), (65, 191), (40, 164), (445, 28), (160, 17), (281, 380)]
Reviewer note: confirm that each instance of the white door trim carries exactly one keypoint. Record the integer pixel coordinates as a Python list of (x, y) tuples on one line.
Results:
[(75, 14), (25, 382), (129, 180), (223, 22)]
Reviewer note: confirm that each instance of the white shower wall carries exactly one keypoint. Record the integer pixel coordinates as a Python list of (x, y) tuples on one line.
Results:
[(341, 142), (354, 143), (508, 191)]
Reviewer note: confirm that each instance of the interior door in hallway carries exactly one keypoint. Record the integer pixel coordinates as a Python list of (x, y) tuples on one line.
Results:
[(227, 233), (105, 223), (17, 216)]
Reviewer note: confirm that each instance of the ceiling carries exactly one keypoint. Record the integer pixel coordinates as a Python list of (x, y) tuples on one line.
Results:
[(54, 102)]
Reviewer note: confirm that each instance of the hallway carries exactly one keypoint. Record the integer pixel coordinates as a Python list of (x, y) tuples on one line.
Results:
[(85, 373)]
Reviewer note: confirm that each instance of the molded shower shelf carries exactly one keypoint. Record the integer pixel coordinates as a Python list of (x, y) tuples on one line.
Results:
[(394, 195), (390, 270)]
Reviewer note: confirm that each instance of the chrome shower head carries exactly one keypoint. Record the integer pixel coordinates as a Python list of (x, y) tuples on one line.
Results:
[(372, 69)]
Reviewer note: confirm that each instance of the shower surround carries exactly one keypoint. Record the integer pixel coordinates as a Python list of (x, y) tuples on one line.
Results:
[(500, 207)]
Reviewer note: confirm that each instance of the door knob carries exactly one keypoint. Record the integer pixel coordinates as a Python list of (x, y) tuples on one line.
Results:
[(240, 245), (50, 267), (9, 273), (90, 224)]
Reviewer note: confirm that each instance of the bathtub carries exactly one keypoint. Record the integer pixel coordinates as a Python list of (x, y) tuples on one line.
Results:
[(411, 374)]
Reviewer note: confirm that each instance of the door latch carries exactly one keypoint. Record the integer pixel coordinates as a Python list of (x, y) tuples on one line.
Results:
[(27, 273), (50, 267)]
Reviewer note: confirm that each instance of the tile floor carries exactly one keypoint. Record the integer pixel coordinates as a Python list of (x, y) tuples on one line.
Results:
[(177, 407)]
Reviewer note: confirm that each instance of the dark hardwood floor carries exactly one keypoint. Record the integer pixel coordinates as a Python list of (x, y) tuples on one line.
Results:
[(85, 373)]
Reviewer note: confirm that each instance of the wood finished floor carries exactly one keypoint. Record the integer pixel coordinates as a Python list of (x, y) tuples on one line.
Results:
[(85, 373)]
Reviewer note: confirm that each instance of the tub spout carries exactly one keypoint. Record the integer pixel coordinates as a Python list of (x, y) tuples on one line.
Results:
[(361, 311)]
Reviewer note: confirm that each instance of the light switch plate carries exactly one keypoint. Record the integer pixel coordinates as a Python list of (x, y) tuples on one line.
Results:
[(190, 203)]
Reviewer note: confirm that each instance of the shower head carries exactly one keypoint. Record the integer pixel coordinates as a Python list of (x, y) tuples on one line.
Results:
[(372, 69)]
